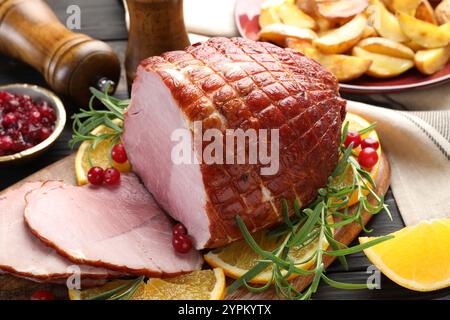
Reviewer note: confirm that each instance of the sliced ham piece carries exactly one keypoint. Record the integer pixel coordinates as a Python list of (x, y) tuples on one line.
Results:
[(232, 84), (22, 254), (120, 228)]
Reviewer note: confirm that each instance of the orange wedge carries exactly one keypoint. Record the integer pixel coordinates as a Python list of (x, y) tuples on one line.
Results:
[(418, 258)]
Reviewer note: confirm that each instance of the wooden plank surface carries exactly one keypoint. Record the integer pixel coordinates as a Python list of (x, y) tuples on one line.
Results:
[(103, 19)]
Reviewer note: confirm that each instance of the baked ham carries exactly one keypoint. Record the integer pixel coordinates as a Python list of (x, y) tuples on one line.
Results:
[(231, 84), (120, 228), (24, 255)]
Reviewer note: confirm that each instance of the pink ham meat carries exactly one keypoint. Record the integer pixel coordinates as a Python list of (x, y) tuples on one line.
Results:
[(232, 84), (120, 228), (24, 255)]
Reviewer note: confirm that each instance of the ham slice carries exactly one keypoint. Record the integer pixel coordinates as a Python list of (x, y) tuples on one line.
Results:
[(22, 254), (232, 84), (120, 228)]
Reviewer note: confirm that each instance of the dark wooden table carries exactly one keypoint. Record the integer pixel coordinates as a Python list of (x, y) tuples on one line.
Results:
[(104, 19)]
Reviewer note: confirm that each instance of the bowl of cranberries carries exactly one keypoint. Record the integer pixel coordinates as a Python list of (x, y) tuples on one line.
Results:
[(31, 120)]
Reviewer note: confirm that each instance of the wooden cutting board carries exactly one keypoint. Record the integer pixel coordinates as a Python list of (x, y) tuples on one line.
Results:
[(15, 288)]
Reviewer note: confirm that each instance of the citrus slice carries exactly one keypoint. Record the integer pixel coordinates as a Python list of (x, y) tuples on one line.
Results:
[(99, 156), (237, 257), (418, 258), (357, 123), (91, 293), (197, 285)]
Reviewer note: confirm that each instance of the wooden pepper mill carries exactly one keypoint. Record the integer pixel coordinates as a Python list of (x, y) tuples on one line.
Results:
[(156, 26), (70, 62)]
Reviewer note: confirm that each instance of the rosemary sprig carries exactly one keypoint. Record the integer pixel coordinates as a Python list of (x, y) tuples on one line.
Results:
[(87, 120), (312, 223)]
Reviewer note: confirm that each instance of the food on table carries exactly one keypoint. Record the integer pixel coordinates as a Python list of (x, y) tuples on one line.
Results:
[(443, 12), (238, 257), (432, 60), (88, 157), (368, 158), (390, 32), (96, 175), (353, 138), (297, 96), (181, 241), (344, 38), (424, 33), (417, 258), (24, 255), (198, 285), (111, 176), (383, 66), (291, 15), (386, 47), (121, 227), (118, 153), (277, 33), (24, 123)]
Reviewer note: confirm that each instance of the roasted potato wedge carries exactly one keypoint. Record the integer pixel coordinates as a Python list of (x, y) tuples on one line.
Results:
[(424, 33), (424, 11), (369, 31), (414, 46), (386, 47), (299, 45), (344, 67), (344, 38), (442, 12), (293, 16), (406, 6), (384, 22), (341, 9), (383, 66), (268, 16), (277, 33), (432, 60)]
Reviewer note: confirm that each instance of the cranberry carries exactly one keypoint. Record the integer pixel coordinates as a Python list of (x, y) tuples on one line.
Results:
[(112, 176), (35, 116), (118, 153), (182, 243), (368, 157), (47, 112), (352, 136), (44, 133), (42, 295), (370, 143), (179, 229), (9, 119), (95, 176), (6, 143)]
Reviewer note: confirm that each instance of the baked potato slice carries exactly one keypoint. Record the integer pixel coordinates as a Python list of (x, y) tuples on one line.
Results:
[(432, 60), (341, 9), (278, 33), (369, 31), (386, 47), (383, 66), (414, 46), (406, 6), (424, 12), (298, 44), (344, 67), (268, 16), (344, 38), (291, 15), (384, 22), (424, 33)]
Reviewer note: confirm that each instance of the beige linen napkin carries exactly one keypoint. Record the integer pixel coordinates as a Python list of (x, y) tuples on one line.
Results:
[(418, 147)]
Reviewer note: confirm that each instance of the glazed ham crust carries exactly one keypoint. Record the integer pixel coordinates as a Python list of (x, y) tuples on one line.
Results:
[(238, 83)]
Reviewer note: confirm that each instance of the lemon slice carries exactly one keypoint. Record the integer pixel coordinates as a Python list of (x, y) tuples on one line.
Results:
[(237, 258), (197, 285), (356, 123), (418, 258), (100, 156)]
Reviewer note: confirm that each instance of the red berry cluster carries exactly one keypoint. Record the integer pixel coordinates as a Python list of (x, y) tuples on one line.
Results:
[(368, 157), (181, 241), (23, 122), (110, 176)]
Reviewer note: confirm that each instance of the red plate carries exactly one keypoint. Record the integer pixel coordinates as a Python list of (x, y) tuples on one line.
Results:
[(247, 14)]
